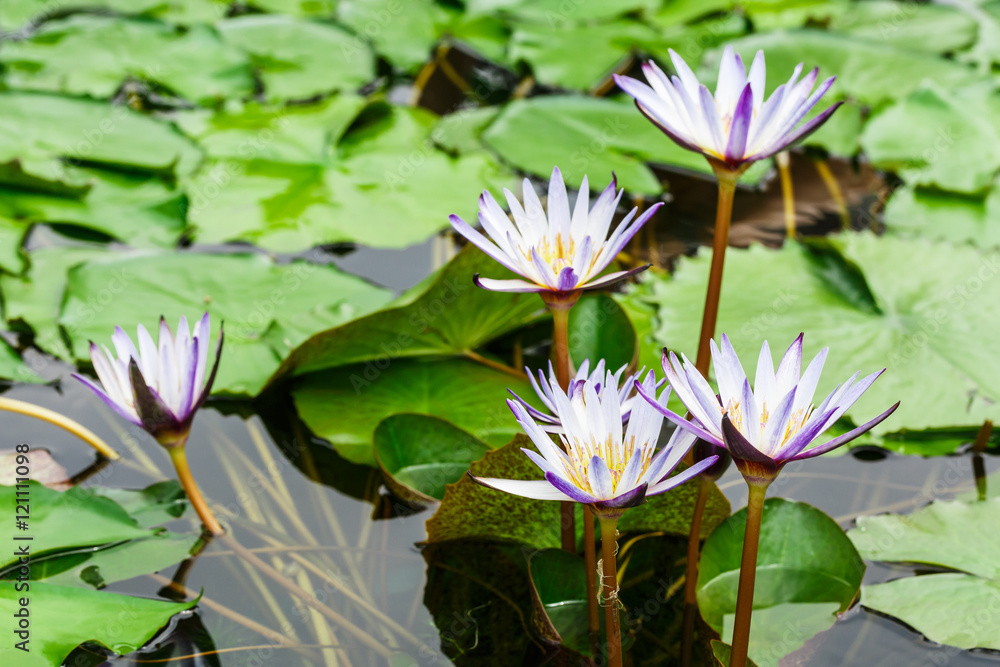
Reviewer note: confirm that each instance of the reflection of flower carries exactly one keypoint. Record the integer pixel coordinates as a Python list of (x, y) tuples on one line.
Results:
[(157, 387), (544, 388), (736, 126), (606, 464), (558, 252), (775, 422)]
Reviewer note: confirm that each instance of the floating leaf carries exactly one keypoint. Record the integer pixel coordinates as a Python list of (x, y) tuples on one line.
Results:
[(804, 557), (419, 455), (783, 629), (472, 511), (298, 59), (723, 653), (345, 405), (592, 137), (870, 71), (288, 205), (932, 138), (947, 608), (268, 309), (402, 32), (945, 216), (42, 131), (157, 504), (63, 617), (927, 331), (60, 520), (559, 596), (95, 55), (445, 315), (914, 27)]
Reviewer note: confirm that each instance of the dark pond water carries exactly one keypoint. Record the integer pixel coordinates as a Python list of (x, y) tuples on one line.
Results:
[(326, 524)]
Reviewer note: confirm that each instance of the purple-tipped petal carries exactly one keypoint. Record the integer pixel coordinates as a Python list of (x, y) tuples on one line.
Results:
[(574, 492), (567, 279), (215, 369), (680, 478), (630, 498), (847, 437), (612, 278), (535, 489), (677, 419), (801, 133), (756, 468), (740, 126), (156, 417), (481, 242), (97, 389)]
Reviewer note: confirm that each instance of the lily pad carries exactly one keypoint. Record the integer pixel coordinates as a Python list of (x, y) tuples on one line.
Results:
[(63, 617), (445, 315), (157, 504), (43, 131), (926, 331), (288, 206), (871, 71), (419, 455), (401, 32), (947, 607), (345, 405), (723, 653), (472, 511), (95, 55), (268, 308), (298, 58), (804, 557), (591, 137), (559, 596), (914, 27), (945, 216), (932, 138), (782, 629), (60, 520)]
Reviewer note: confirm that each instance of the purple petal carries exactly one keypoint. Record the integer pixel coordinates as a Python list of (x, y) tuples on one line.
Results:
[(156, 417), (120, 409), (538, 489), (574, 492), (847, 437), (600, 477), (681, 477), (740, 125), (481, 242), (630, 498), (677, 419), (567, 279), (613, 278), (215, 369), (801, 133)]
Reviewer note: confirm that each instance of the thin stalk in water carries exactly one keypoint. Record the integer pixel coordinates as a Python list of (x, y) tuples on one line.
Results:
[(978, 465), (179, 458), (691, 578), (836, 194), (609, 545), (748, 573)]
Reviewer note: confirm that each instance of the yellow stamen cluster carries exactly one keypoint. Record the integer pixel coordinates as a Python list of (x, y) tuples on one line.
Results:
[(794, 424), (616, 456)]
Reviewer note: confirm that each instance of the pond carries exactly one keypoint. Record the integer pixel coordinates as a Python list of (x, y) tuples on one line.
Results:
[(288, 167)]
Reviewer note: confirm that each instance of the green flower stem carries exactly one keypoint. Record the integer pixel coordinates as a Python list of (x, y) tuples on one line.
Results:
[(179, 458), (723, 216), (691, 578), (609, 545), (62, 421), (748, 573), (560, 354)]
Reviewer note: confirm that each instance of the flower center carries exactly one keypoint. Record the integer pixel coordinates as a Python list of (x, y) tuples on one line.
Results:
[(616, 456)]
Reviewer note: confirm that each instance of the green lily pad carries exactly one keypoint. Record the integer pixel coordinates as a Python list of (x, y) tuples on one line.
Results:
[(401, 32), (945, 216), (559, 596), (63, 617), (723, 653), (592, 137), (600, 329), (345, 405), (420, 455), (268, 309), (288, 205), (933, 139), (119, 562), (472, 511), (297, 58), (846, 294), (782, 629), (42, 131), (158, 503), (870, 71), (60, 520), (947, 607), (445, 315), (804, 557), (94, 55), (555, 10), (141, 211), (915, 27)]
